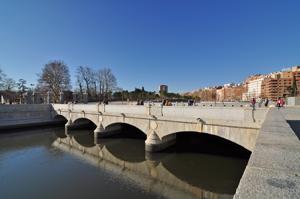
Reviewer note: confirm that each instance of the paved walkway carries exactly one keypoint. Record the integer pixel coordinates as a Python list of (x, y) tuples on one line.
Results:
[(273, 170)]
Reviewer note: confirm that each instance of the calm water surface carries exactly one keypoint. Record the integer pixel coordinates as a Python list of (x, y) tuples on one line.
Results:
[(48, 163)]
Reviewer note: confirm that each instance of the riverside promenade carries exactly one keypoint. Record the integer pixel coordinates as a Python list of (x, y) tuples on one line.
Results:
[(273, 170)]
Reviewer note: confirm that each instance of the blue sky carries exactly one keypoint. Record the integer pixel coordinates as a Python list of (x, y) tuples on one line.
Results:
[(186, 44)]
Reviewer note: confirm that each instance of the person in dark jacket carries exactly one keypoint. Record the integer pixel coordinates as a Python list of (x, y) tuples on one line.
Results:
[(266, 102)]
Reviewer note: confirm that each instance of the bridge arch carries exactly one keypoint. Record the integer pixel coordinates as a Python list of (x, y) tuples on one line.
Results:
[(192, 141), (60, 118), (141, 125), (245, 137), (83, 123), (126, 130)]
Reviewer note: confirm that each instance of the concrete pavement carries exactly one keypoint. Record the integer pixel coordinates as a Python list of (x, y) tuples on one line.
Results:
[(273, 170)]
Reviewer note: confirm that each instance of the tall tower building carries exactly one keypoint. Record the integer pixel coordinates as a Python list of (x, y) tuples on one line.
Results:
[(163, 89)]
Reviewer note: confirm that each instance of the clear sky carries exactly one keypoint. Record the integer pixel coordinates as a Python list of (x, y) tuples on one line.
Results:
[(186, 44)]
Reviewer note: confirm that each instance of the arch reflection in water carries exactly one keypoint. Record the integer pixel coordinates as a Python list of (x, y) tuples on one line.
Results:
[(84, 138), (125, 142), (60, 132), (174, 175), (220, 163)]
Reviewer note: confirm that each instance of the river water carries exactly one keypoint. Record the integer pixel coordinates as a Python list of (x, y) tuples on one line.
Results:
[(52, 163)]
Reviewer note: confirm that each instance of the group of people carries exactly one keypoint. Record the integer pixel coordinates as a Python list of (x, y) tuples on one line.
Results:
[(166, 103), (191, 102), (140, 102), (280, 102)]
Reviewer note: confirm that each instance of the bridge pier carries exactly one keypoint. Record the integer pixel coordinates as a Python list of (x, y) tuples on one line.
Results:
[(68, 124), (99, 131), (154, 144)]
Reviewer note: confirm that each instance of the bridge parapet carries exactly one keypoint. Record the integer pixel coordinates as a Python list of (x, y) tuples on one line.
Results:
[(209, 113)]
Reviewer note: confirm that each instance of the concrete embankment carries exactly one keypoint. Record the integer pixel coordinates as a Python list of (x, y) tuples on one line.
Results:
[(21, 116), (273, 170)]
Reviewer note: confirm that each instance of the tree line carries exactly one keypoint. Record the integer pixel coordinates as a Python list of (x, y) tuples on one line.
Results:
[(55, 78), (97, 84), (8, 84)]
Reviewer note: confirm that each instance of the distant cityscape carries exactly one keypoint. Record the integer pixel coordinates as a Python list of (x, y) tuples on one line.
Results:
[(102, 86), (284, 83)]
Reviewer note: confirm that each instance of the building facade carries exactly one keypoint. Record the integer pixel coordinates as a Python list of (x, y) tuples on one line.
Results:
[(285, 83), (282, 84), (253, 87), (230, 93), (163, 89)]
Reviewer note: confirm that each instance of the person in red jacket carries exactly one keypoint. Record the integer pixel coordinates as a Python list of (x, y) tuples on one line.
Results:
[(282, 102)]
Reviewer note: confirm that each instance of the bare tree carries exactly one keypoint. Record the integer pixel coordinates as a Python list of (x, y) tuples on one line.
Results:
[(55, 77), (94, 83), (9, 84), (80, 84), (2, 79), (107, 81), (100, 83), (22, 86), (85, 74)]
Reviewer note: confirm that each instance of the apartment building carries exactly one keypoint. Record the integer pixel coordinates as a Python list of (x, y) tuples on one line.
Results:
[(230, 93), (281, 84), (253, 86)]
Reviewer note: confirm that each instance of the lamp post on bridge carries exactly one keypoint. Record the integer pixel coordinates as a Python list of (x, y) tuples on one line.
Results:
[(61, 97), (48, 97), (85, 97)]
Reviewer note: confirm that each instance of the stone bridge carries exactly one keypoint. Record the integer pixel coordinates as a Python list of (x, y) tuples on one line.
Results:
[(161, 123)]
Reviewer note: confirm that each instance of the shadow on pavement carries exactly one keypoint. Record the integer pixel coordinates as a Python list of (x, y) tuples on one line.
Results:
[(295, 125)]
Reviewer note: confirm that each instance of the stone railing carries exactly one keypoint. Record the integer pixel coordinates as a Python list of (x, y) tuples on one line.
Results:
[(241, 114)]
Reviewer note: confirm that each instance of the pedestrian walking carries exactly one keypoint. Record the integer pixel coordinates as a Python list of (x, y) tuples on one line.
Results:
[(253, 102), (282, 102), (266, 102), (278, 103), (260, 102)]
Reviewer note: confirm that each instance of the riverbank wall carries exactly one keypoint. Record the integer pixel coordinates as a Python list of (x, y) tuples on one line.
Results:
[(26, 115)]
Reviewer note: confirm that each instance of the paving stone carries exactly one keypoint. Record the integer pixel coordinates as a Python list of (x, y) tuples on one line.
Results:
[(278, 138), (276, 156), (268, 184), (273, 170), (276, 129)]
